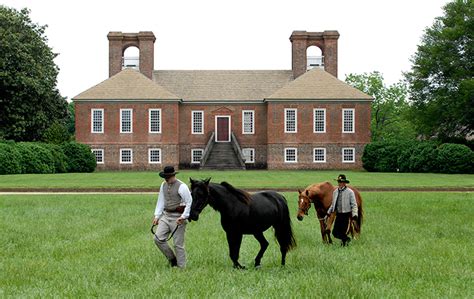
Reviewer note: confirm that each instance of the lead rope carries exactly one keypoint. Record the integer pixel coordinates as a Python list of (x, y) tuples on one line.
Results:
[(169, 238)]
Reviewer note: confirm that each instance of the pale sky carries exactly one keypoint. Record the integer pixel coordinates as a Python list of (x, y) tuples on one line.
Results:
[(375, 35)]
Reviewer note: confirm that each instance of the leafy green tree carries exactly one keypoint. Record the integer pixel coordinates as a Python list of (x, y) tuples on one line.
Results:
[(71, 119), (441, 80), (389, 108), (29, 99)]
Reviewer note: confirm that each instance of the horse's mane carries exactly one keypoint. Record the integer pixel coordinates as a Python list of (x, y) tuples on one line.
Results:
[(240, 194)]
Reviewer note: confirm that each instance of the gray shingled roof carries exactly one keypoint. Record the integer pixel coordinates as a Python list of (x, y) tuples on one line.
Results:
[(212, 85), (318, 84), (129, 84)]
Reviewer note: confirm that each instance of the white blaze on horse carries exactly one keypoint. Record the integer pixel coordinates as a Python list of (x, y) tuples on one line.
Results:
[(320, 195)]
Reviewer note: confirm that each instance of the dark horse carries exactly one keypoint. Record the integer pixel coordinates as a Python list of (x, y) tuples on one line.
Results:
[(245, 214)]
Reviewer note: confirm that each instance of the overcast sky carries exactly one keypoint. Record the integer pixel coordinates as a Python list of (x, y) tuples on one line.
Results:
[(375, 35)]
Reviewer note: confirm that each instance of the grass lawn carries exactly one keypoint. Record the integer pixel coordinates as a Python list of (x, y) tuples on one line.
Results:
[(243, 179), (412, 245)]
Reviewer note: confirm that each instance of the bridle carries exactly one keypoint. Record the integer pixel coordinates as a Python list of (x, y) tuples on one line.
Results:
[(305, 211), (205, 201)]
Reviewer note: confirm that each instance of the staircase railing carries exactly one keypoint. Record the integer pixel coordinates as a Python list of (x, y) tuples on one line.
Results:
[(238, 150), (207, 150)]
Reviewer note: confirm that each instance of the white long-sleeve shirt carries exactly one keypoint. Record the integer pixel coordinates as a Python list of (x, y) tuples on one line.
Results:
[(186, 199)]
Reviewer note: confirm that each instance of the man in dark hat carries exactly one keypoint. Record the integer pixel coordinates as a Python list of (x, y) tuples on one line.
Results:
[(172, 210), (345, 206)]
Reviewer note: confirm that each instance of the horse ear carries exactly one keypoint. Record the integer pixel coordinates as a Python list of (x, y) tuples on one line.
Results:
[(207, 181), (299, 191), (192, 181)]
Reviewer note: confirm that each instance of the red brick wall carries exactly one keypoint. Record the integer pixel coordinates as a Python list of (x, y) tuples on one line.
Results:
[(305, 139)]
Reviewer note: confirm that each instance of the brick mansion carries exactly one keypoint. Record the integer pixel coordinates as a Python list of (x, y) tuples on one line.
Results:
[(302, 118)]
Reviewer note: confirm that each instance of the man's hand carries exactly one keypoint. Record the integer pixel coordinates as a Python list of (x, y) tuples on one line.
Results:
[(180, 221), (155, 221)]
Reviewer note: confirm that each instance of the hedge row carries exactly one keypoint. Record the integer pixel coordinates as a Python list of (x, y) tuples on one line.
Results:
[(35, 157), (418, 156)]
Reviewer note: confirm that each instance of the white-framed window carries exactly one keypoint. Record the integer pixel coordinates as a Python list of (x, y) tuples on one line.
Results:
[(348, 116), (126, 120), (291, 155), (348, 155), (126, 156), (97, 120), (154, 155), (319, 116), (154, 120), (319, 155), (249, 155), (99, 155), (291, 121), (248, 121), (196, 155), (197, 122)]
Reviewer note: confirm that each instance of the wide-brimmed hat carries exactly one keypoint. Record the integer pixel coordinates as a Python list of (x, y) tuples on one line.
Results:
[(167, 172), (342, 178)]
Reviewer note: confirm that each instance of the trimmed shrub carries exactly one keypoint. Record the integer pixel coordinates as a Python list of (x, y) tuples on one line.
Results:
[(56, 133), (9, 159), (455, 158), (383, 155), (35, 158), (60, 160), (419, 157), (79, 157)]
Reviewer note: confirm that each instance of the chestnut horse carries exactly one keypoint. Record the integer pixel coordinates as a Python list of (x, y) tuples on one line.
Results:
[(320, 195)]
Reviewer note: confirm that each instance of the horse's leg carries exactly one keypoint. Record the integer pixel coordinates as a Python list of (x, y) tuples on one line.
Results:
[(234, 240), (263, 246), (323, 230)]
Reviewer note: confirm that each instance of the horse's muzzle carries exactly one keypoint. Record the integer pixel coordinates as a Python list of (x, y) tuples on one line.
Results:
[(299, 217)]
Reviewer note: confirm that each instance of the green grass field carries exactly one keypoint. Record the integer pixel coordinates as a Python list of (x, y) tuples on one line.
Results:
[(412, 245), (243, 179)]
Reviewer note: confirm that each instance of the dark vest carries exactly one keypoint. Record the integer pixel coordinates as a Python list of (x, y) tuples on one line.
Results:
[(171, 195)]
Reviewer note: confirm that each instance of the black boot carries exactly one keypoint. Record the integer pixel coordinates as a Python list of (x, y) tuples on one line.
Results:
[(173, 262)]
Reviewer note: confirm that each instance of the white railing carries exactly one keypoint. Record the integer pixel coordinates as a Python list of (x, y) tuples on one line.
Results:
[(131, 62), (314, 62)]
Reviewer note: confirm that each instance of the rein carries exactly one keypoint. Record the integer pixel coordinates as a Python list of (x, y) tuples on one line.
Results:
[(171, 235)]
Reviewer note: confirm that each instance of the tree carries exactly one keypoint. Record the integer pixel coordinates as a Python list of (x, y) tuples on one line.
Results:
[(441, 80), (29, 99), (389, 108)]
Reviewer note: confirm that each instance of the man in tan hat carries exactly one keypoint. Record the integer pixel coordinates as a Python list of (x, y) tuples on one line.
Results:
[(345, 205), (172, 210)]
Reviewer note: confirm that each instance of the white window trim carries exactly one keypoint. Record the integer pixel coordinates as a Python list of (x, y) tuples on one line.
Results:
[(253, 121), (353, 120), (131, 155), (149, 120), (296, 154), (149, 155), (314, 120), (192, 122), (92, 120), (192, 155), (318, 148), (131, 120), (296, 120), (353, 154), (253, 154), (99, 150)]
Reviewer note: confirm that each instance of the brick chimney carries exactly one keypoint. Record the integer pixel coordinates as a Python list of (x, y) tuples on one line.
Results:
[(119, 42), (326, 41)]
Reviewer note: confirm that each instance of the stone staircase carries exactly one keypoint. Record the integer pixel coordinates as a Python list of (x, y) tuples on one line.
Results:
[(223, 156)]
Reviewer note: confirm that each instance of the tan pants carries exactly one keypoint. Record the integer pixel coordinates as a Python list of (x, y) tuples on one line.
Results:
[(165, 227)]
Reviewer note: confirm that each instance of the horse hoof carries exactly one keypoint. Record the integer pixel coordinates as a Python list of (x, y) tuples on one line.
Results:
[(258, 267)]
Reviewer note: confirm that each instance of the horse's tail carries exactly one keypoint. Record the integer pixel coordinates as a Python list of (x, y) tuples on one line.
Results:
[(357, 226), (283, 230)]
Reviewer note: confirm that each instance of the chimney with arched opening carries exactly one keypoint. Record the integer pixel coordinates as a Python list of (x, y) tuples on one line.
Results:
[(119, 42), (326, 41)]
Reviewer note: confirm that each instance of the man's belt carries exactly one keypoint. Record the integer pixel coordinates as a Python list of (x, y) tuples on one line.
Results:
[(179, 209)]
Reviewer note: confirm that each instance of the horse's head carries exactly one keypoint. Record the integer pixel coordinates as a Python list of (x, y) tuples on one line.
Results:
[(200, 194), (304, 203)]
